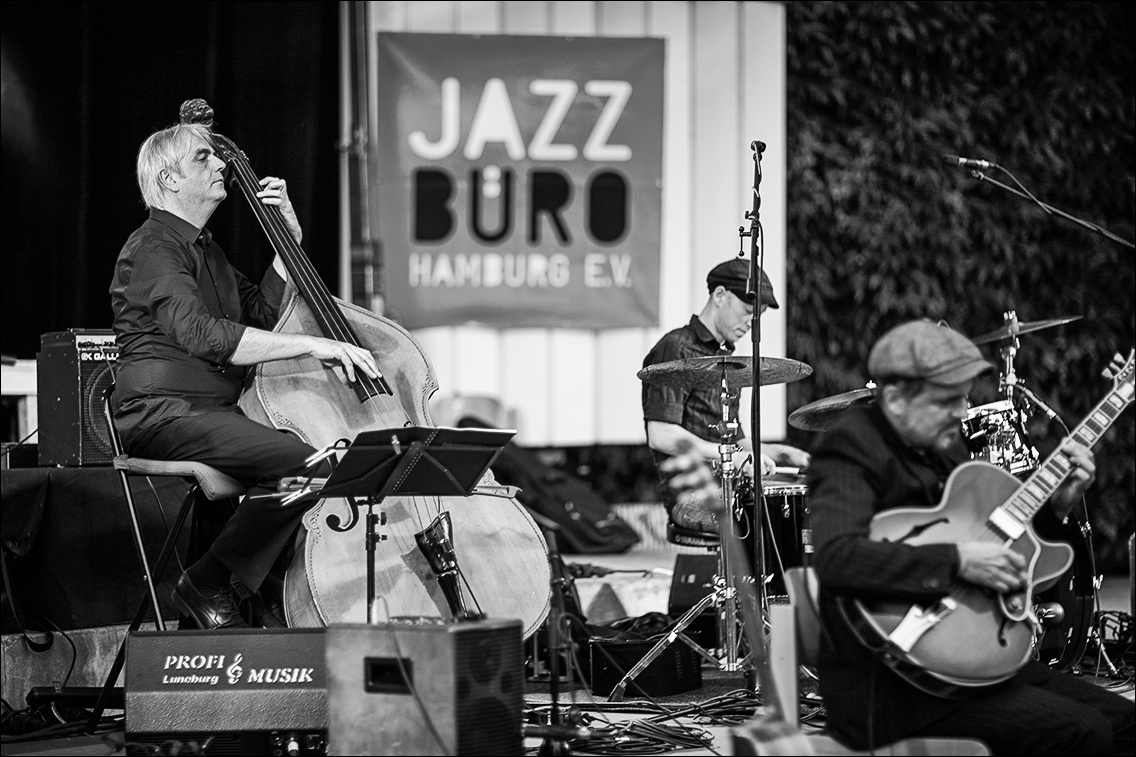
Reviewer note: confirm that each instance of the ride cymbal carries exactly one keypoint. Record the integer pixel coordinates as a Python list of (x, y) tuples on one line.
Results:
[(819, 415), (696, 372), (1009, 331)]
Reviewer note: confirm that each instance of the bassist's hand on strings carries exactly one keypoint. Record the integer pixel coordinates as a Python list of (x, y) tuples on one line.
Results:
[(275, 192), (345, 359), (991, 566)]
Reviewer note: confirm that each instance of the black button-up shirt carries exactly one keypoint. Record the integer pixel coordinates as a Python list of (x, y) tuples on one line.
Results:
[(697, 410), (180, 309)]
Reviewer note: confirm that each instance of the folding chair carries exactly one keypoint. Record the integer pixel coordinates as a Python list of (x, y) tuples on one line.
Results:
[(203, 481)]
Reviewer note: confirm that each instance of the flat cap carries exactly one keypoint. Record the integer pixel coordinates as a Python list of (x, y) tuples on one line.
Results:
[(926, 350), (734, 275)]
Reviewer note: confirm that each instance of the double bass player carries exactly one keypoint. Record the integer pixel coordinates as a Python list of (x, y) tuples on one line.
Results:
[(188, 327)]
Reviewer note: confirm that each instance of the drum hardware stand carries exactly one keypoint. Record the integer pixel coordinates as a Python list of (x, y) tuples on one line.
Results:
[(1094, 629), (1021, 400), (1049, 613), (723, 594), (1008, 381)]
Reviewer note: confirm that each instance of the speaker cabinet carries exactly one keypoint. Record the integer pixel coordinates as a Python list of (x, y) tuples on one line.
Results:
[(425, 686), (73, 370)]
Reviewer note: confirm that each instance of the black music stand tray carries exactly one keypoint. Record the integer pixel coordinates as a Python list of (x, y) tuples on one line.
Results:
[(408, 461)]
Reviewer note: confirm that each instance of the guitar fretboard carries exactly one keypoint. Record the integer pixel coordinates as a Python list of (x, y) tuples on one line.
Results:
[(1039, 487)]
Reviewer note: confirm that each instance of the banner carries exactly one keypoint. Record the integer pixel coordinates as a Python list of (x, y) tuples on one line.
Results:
[(520, 179)]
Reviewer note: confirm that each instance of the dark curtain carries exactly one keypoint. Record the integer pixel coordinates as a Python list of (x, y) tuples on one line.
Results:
[(85, 83)]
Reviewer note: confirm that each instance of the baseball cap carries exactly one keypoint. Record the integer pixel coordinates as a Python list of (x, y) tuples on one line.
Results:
[(926, 350), (734, 275)]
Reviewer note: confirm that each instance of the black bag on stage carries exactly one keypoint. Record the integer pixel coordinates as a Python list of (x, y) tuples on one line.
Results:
[(587, 523)]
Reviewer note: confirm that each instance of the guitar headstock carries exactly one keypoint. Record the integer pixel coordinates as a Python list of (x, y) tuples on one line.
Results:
[(1120, 372)]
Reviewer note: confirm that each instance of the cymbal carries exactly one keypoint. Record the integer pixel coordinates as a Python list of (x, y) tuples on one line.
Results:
[(1007, 332), (697, 372), (819, 415)]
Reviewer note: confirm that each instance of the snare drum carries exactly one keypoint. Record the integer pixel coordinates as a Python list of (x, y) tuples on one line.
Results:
[(996, 433)]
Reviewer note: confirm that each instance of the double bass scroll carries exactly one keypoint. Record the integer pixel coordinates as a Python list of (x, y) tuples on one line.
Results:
[(502, 554)]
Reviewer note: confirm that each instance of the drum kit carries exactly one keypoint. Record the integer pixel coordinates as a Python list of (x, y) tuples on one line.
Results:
[(994, 432)]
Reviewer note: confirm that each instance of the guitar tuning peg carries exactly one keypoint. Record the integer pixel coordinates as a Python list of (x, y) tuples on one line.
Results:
[(1112, 370)]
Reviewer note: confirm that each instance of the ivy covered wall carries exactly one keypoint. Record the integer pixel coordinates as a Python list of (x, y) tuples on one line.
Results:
[(881, 230)]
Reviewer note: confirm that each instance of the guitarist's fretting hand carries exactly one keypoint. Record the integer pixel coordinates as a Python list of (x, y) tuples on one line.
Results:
[(1080, 478), (991, 566)]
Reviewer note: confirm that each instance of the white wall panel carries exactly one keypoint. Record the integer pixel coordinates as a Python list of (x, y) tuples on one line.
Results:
[(525, 17), (526, 383), (569, 17), (724, 88), (762, 95), (672, 20), (478, 17)]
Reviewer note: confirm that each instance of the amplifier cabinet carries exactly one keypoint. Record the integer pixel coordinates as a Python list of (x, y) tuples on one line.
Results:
[(73, 370), (426, 687)]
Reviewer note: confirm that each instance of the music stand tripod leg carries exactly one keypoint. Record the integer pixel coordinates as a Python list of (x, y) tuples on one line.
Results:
[(675, 633)]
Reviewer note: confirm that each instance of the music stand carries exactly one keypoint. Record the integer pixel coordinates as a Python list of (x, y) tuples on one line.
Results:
[(411, 461)]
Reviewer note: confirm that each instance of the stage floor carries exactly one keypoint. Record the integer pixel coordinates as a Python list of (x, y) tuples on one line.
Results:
[(639, 582)]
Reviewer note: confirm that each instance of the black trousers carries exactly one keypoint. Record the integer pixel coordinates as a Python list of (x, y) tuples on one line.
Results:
[(255, 455), (1042, 712)]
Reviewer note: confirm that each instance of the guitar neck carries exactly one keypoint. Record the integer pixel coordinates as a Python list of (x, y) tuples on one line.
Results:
[(1013, 515)]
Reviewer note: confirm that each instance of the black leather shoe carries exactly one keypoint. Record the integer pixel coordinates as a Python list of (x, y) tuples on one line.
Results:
[(209, 611)]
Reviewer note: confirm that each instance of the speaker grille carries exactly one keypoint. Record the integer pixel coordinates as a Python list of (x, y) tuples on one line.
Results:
[(490, 690), (73, 370), (94, 444)]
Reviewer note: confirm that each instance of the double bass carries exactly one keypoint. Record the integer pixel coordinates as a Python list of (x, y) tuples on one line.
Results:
[(500, 553)]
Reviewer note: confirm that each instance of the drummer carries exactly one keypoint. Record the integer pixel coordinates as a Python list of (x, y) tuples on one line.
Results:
[(679, 417)]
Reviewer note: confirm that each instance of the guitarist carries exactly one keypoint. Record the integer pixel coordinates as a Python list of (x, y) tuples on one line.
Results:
[(898, 452)]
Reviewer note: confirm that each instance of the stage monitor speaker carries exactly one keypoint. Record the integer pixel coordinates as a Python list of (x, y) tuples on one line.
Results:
[(73, 369), (692, 581), (237, 691), (425, 686)]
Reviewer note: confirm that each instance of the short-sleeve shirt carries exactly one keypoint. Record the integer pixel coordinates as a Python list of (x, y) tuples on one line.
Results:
[(180, 309), (697, 410)]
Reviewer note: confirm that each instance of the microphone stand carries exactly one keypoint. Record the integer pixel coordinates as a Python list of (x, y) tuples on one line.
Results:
[(753, 288), (1049, 209), (555, 743)]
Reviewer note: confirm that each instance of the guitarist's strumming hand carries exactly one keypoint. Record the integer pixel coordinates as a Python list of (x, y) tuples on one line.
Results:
[(991, 566), (1080, 478), (996, 567)]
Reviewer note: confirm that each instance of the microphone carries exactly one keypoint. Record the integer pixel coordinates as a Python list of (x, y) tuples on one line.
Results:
[(1037, 402), (955, 160)]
